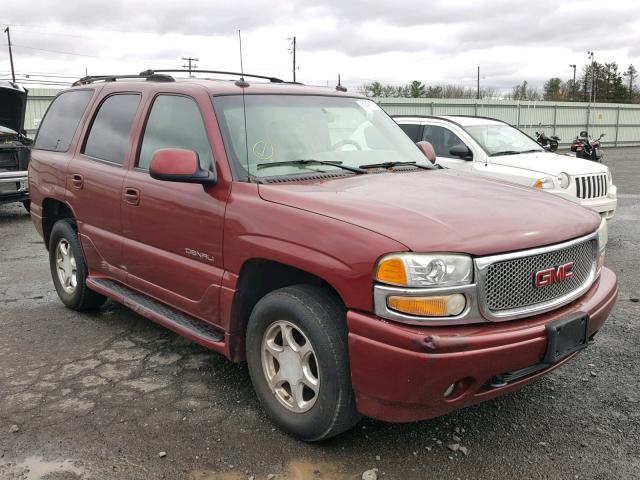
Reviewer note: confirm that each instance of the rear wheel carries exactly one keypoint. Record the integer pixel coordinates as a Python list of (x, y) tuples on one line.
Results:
[(299, 363), (553, 145), (69, 269)]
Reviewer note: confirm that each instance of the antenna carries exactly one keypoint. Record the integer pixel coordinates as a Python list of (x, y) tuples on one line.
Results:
[(339, 87), (241, 83)]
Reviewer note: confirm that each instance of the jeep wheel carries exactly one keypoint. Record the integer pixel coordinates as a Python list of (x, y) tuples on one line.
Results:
[(68, 268), (299, 362), (27, 205)]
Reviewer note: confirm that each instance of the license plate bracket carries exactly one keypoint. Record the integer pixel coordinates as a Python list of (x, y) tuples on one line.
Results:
[(566, 336)]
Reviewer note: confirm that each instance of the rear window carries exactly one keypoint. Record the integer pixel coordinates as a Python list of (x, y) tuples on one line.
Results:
[(108, 138), (61, 120)]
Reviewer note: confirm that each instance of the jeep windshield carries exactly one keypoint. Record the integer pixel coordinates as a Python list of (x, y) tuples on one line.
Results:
[(303, 134), (502, 139)]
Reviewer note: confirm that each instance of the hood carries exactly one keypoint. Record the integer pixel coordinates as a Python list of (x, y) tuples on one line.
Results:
[(550, 163), (13, 105), (441, 210)]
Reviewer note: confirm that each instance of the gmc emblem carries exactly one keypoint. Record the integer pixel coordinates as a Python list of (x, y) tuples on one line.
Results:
[(553, 275)]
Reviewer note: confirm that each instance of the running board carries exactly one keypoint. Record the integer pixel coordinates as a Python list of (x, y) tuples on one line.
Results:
[(168, 317)]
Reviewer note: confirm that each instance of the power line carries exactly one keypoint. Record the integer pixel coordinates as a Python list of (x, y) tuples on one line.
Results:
[(85, 55)]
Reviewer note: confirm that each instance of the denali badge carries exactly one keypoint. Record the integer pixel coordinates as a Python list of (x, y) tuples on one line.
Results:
[(553, 275), (201, 255)]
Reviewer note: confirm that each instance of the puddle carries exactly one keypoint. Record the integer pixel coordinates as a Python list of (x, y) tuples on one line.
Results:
[(296, 470), (36, 468)]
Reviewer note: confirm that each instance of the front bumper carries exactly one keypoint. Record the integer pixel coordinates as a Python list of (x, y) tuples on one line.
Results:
[(400, 373), (605, 206), (14, 186)]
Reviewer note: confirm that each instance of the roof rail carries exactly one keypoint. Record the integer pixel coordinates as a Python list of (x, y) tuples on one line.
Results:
[(151, 77), (218, 72)]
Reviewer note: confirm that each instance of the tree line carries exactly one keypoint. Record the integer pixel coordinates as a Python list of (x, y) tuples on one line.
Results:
[(600, 82)]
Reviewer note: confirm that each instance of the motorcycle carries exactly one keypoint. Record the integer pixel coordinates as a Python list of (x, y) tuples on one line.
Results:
[(587, 147), (548, 143)]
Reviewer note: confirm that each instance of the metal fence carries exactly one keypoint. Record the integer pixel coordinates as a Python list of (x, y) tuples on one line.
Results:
[(620, 122)]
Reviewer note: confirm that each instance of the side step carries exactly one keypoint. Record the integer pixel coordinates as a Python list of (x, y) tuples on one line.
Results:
[(168, 317)]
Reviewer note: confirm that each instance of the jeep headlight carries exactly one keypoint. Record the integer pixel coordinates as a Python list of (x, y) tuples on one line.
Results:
[(425, 270), (544, 183), (564, 180), (603, 238)]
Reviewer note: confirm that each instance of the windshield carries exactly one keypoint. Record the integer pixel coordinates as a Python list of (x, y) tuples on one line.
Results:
[(291, 130), (502, 139)]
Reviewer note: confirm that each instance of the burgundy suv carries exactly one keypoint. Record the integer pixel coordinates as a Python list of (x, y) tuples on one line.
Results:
[(299, 229)]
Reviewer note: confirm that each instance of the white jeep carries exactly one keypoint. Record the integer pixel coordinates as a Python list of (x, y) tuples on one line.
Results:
[(489, 147)]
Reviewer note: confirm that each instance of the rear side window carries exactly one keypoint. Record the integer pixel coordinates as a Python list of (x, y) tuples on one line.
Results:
[(175, 122), (61, 121), (412, 131), (108, 138)]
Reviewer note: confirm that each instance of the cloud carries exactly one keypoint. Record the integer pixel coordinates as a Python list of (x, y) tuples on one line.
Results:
[(435, 40)]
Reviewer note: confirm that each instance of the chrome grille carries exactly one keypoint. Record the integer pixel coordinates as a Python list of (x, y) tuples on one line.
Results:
[(591, 186), (509, 284)]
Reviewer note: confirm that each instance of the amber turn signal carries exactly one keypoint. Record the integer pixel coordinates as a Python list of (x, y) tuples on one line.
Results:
[(392, 271), (437, 306)]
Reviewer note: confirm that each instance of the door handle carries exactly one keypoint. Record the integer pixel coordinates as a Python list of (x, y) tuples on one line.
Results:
[(132, 196), (77, 180)]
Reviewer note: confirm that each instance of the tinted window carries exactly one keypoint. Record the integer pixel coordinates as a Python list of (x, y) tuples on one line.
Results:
[(62, 119), (175, 122), (413, 131), (442, 140), (109, 135)]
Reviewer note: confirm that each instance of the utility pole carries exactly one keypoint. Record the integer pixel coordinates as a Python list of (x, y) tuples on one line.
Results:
[(478, 85), (573, 86), (292, 49), (13, 73), (593, 75), (190, 64)]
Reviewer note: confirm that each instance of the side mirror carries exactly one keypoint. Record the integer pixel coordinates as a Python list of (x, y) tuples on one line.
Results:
[(179, 165), (461, 151), (426, 148)]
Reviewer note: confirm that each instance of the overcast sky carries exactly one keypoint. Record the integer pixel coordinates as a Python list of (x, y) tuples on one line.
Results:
[(392, 41)]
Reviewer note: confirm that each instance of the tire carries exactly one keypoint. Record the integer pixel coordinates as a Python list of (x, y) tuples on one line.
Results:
[(320, 320), (553, 145), (27, 205), (64, 236)]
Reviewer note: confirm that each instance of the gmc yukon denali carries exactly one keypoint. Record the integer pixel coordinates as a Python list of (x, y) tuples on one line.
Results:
[(299, 229)]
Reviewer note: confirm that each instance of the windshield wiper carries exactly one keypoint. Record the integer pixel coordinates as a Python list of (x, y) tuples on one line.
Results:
[(532, 150), (506, 152), (310, 161), (396, 164)]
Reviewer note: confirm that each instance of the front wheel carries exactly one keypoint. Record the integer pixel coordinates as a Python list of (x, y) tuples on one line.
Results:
[(69, 269), (299, 362), (27, 205)]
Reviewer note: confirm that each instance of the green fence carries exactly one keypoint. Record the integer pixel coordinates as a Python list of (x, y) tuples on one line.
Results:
[(620, 122)]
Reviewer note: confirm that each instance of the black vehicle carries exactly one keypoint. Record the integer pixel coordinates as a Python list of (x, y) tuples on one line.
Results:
[(15, 147), (548, 143), (587, 147)]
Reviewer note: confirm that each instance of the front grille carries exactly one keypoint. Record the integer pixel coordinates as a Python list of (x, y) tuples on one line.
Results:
[(591, 186), (509, 284)]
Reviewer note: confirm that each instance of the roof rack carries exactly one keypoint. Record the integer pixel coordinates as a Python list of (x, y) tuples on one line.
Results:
[(217, 72), (150, 77)]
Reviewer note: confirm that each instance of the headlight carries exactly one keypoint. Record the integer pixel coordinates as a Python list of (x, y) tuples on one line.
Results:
[(425, 270), (544, 183), (564, 180), (603, 238)]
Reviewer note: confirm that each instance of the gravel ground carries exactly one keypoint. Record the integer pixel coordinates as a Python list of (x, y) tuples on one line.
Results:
[(101, 395)]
